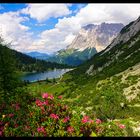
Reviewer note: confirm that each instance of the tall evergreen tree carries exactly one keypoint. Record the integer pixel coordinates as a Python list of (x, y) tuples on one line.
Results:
[(8, 78)]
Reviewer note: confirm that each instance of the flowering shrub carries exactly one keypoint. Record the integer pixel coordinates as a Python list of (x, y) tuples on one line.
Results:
[(49, 116)]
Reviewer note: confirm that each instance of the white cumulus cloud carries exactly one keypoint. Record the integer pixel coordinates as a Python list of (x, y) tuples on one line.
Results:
[(42, 12), (13, 31)]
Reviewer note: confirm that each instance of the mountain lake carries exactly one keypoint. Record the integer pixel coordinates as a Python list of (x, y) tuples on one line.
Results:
[(38, 76)]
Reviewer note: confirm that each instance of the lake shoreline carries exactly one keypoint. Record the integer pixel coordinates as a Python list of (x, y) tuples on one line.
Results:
[(43, 76), (42, 81)]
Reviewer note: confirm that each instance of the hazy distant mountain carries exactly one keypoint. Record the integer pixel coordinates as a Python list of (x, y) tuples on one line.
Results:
[(38, 55), (29, 64)]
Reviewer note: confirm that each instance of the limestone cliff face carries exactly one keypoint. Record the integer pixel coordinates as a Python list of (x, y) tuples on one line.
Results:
[(123, 51), (126, 34), (95, 36)]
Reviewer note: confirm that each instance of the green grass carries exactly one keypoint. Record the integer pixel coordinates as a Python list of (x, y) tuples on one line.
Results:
[(90, 94), (39, 87)]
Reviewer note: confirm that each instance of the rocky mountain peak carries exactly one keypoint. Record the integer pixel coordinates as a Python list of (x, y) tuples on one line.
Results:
[(89, 27), (95, 36)]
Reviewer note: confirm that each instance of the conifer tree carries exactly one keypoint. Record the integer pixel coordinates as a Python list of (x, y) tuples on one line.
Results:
[(8, 77)]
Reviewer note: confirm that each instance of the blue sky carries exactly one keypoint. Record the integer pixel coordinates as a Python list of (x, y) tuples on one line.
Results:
[(51, 27), (33, 23), (11, 7)]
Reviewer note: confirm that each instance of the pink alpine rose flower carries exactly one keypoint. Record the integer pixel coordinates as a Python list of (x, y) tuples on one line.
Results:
[(60, 97), (54, 116), (45, 95), (66, 119), (121, 126), (0, 133), (70, 129), (46, 102), (51, 97), (85, 119), (40, 103), (41, 129), (98, 121)]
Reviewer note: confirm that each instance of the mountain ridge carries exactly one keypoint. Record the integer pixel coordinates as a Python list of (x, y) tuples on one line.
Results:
[(25, 63), (91, 38), (38, 55)]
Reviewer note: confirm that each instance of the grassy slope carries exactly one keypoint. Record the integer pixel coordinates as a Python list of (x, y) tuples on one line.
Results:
[(87, 93), (89, 96), (73, 57), (93, 93), (27, 63)]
